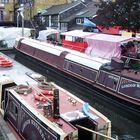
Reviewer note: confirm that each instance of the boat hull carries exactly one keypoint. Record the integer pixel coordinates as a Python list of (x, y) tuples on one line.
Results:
[(27, 125)]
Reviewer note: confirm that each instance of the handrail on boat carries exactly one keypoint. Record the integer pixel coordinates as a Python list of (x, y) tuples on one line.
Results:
[(133, 58), (97, 133), (127, 60)]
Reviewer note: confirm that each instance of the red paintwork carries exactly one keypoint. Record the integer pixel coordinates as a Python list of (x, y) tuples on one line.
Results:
[(78, 46), (5, 62), (109, 30), (64, 104)]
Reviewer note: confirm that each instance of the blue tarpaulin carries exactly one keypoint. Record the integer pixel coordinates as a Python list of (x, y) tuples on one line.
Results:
[(85, 110), (88, 23)]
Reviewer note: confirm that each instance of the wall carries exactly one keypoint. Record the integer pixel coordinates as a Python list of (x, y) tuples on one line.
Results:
[(8, 9)]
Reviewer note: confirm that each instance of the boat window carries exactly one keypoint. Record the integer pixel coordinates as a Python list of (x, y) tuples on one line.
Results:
[(4, 87), (13, 108), (82, 71)]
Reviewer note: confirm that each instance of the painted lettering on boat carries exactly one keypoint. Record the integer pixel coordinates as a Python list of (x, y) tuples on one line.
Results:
[(35, 124), (125, 83), (113, 77), (130, 85)]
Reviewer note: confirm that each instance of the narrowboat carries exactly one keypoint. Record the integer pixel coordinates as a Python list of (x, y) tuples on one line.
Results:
[(112, 77), (37, 109)]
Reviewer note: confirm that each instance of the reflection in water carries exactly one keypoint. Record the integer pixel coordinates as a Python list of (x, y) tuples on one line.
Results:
[(122, 126)]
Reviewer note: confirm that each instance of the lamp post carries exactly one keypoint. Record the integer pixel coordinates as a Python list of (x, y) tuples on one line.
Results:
[(20, 11)]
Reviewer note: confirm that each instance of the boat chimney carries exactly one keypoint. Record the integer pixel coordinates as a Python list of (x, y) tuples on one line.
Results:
[(47, 109), (56, 113)]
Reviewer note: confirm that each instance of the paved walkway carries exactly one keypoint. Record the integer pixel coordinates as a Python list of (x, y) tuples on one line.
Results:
[(5, 132)]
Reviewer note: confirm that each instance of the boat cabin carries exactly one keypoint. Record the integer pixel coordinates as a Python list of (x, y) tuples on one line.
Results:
[(75, 40), (94, 44)]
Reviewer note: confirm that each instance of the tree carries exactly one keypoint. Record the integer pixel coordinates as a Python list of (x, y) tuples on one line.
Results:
[(124, 13)]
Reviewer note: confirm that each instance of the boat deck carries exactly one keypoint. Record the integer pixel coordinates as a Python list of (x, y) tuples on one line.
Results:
[(16, 72)]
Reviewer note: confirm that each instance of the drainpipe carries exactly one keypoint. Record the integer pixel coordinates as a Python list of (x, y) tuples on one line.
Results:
[(21, 13), (14, 16), (18, 19), (58, 22), (49, 21), (22, 24)]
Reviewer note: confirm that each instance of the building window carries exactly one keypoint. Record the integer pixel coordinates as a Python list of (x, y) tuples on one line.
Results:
[(1, 15), (24, 1), (4, 1), (64, 26), (54, 21), (79, 21)]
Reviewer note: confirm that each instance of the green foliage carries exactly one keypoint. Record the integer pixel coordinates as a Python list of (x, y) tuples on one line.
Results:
[(125, 13)]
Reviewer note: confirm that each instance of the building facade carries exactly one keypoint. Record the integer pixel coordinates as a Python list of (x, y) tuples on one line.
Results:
[(66, 16), (8, 8)]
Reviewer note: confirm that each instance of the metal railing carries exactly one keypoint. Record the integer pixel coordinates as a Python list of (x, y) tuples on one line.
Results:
[(96, 133)]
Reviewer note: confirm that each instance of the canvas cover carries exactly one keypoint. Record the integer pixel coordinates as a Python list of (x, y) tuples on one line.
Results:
[(9, 34), (105, 45), (44, 33)]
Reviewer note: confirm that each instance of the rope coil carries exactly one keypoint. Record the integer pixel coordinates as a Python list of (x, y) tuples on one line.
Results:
[(45, 85), (23, 89)]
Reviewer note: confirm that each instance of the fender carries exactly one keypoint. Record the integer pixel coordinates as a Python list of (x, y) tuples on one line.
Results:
[(47, 92), (39, 97), (5, 62)]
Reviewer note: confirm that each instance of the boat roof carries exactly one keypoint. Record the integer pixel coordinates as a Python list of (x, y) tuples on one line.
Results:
[(67, 113), (44, 33), (110, 38), (91, 62), (16, 73), (42, 46), (94, 63), (77, 33), (96, 36)]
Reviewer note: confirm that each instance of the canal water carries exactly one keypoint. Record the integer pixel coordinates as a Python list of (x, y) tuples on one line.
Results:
[(124, 125)]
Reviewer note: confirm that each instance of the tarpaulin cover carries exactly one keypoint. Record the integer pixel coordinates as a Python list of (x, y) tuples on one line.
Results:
[(9, 34), (105, 46)]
